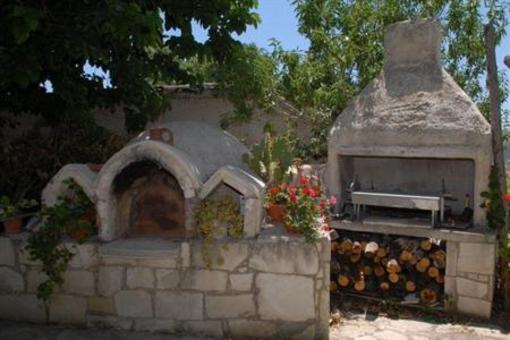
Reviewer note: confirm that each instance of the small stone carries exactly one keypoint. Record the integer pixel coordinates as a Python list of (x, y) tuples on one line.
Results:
[(100, 305), (179, 306), (277, 297), (154, 325), (133, 303), (107, 321), (307, 333), (25, 259), (167, 278), (85, 256), (7, 254), (232, 257), (34, 279), (11, 280), (285, 258), (185, 254), (22, 307), (237, 306), (241, 282), (472, 288), (477, 258), (204, 328), (140, 277), (205, 280), (476, 307), (110, 280), (79, 282), (68, 309), (252, 329)]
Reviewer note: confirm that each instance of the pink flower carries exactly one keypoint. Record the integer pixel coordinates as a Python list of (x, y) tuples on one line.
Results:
[(332, 200)]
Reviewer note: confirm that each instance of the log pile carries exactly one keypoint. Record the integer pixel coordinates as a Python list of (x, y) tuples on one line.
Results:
[(384, 266)]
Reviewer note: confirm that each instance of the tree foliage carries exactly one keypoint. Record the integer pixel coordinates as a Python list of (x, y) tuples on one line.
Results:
[(346, 52), (138, 45)]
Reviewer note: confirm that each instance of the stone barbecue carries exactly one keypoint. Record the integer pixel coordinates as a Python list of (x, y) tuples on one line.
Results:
[(413, 131), (410, 156)]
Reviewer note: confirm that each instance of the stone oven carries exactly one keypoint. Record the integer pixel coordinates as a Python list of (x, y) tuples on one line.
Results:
[(412, 132), (410, 156), (151, 187), (150, 270)]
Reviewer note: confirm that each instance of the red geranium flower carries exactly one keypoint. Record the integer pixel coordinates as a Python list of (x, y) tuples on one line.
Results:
[(506, 198), (312, 192), (274, 190), (293, 197), (303, 180)]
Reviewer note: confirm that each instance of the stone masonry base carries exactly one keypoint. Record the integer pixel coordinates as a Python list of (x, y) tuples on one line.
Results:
[(271, 286)]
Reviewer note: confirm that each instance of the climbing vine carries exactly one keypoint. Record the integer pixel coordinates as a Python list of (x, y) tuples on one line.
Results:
[(73, 216)]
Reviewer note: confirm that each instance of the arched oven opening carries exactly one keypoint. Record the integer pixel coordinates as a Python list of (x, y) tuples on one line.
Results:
[(150, 201)]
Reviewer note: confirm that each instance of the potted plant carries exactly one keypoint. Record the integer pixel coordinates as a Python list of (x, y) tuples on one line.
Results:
[(276, 201), (10, 213), (307, 209)]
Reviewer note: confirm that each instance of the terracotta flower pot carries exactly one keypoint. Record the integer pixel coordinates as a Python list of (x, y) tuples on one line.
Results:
[(78, 234), (276, 212), (161, 134), (155, 133), (13, 225)]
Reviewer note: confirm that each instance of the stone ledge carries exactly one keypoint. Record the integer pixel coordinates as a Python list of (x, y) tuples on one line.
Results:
[(141, 248), (471, 235)]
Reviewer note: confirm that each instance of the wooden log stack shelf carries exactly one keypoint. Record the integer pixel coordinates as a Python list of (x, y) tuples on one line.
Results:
[(406, 269)]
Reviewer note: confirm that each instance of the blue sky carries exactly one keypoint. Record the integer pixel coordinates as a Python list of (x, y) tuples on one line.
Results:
[(279, 22)]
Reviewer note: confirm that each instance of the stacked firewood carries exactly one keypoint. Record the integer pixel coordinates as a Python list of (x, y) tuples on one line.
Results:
[(405, 268)]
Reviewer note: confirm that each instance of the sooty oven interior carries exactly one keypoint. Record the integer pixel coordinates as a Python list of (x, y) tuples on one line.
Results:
[(150, 201)]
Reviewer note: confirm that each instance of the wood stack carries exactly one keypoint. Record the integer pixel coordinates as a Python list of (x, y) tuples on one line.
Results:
[(384, 266)]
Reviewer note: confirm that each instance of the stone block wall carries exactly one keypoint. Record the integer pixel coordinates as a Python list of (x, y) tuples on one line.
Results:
[(470, 277), (272, 286)]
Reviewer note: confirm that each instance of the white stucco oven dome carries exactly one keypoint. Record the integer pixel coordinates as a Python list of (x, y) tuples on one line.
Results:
[(151, 186)]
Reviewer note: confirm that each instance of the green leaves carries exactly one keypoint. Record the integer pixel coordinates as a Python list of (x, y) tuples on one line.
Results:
[(53, 40), (24, 20), (271, 158)]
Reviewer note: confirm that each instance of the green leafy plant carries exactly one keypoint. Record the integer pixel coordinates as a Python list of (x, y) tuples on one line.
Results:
[(131, 45), (271, 158), (493, 203), (215, 219), (9, 208), (30, 161), (73, 216)]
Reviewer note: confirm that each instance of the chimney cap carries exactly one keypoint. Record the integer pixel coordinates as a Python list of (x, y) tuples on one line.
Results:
[(411, 43)]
